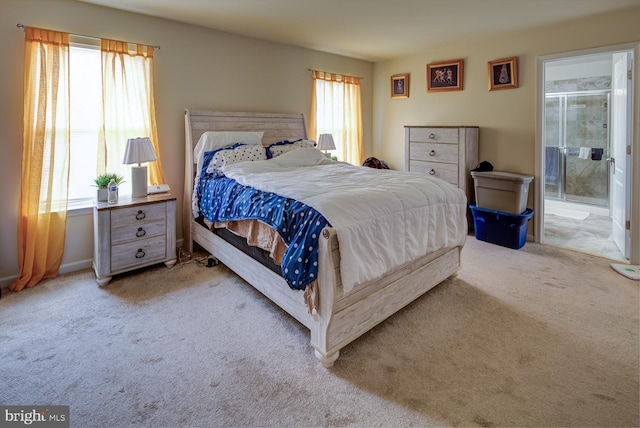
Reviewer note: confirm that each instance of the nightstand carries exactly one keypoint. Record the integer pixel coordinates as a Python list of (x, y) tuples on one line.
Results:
[(133, 233)]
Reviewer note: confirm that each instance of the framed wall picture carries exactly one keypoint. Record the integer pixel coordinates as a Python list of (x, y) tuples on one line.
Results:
[(444, 76), (400, 86), (503, 73)]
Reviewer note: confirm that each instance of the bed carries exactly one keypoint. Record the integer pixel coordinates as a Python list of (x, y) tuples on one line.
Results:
[(335, 314)]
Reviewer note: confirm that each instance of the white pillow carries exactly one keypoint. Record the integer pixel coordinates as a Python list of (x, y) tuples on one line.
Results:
[(214, 140), (279, 149), (304, 156), (239, 154)]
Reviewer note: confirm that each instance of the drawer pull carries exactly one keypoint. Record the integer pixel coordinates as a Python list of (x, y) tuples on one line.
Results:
[(432, 136), (140, 254), (432, 172), (432, 153), (141, 215), (141, 232)]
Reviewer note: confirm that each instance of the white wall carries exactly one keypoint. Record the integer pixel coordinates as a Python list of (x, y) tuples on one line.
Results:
[(195, 68), (572, 69)]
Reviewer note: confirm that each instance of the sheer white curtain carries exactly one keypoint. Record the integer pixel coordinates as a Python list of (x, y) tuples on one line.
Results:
[(336, 109), (128, 107)]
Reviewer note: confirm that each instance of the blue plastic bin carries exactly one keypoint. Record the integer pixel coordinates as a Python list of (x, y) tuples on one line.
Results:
[(501, 228)]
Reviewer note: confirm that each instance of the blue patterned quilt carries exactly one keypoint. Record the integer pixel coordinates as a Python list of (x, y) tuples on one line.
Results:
[(300, 226)]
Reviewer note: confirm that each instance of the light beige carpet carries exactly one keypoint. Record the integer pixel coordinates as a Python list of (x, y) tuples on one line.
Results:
[(532, 337)]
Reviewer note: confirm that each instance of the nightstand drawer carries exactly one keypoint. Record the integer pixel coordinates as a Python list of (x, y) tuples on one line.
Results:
[(139, 214), (138, 253), (444, 171), (434, 135), (138, 232), (434, 152)]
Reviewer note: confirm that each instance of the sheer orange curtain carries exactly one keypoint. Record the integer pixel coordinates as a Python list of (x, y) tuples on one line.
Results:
[(128, 106), (42, 212), (336, 109)]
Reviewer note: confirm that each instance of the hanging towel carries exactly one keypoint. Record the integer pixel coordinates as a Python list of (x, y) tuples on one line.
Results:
[(585, 152), (596, 154), (573, 151), (551, 165)]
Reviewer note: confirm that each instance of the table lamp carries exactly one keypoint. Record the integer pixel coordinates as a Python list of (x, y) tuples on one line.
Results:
[(139, 150), (325, 142)]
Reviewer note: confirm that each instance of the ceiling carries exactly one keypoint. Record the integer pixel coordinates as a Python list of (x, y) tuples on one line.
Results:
[(372, 30)]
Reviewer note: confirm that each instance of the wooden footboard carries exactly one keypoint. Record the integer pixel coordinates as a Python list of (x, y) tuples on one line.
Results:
[(345, 317), (342, 318)]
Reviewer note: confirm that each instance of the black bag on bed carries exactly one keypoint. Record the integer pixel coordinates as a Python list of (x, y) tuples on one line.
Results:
[(375, 163)]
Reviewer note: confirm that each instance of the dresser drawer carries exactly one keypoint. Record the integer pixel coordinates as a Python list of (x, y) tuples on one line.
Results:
[(139, 214), (138, 253), (444, 171), (433, 152), (434, 135)]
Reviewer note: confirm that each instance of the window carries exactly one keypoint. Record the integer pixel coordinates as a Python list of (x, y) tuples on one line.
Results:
[(86, 120), (85, 109), (336, 110)]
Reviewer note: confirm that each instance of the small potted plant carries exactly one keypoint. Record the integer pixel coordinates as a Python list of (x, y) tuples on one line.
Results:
[(102, 182)]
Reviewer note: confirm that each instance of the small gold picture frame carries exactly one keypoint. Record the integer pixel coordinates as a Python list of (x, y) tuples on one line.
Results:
[(503, 73), (400, 86), (445, 76)]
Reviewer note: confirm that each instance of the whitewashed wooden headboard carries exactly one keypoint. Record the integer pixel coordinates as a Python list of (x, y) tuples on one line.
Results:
[(276, 127)]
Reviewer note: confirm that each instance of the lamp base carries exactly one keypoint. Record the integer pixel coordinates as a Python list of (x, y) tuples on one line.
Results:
[(139, 181)]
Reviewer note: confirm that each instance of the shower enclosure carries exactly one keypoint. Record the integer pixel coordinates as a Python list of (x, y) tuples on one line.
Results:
[(577, 147)]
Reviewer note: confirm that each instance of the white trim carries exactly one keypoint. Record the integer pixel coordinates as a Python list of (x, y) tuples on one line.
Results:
[(69, 267), (635, 160), (635, 146)]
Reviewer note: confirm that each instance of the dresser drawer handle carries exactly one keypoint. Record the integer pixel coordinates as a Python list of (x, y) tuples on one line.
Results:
[(141, 232), (432, 136), (432, 153), (140, 254), (141, 215), (432, 172)]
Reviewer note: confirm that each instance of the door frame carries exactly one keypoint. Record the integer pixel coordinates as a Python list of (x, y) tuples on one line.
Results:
[(538, 227)]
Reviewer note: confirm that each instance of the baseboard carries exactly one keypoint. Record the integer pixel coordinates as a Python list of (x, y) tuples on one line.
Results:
[(69, 267), (4, 282)]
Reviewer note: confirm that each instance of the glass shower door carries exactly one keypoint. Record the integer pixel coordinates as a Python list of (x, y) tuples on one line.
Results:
[(554, 147), (576, 147), (587, 148)]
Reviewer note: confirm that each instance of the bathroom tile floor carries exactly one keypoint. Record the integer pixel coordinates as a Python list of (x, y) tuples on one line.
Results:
[(581, 228)]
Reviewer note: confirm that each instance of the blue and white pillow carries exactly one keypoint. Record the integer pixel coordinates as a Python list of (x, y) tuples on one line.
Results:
[(282, 147), (235, 154), (214, 140)]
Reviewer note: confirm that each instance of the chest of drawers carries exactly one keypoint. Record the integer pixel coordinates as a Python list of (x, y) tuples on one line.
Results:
[(446, 152), (133, 233)]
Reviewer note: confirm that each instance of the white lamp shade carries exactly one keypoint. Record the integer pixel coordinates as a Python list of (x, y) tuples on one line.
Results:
[(139, 150), (325, 142)]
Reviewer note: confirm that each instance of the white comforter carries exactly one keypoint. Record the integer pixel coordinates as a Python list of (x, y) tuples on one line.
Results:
[(383, 218)]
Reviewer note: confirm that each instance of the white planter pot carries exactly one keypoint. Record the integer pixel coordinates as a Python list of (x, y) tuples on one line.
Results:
[(103, 195)]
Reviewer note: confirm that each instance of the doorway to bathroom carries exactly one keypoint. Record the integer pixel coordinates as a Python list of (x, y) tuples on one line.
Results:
[(586, 194)]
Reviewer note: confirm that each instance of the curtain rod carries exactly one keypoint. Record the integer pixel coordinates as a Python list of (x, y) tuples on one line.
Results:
[(21, 26), (342, 74)]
